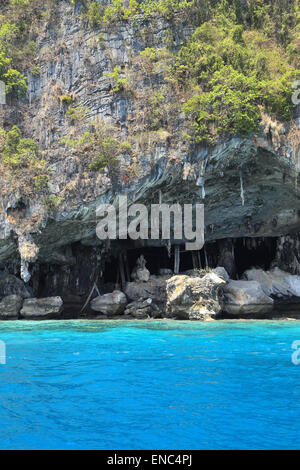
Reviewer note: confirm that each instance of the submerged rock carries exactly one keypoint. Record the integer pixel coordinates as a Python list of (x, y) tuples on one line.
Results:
[(110, 304), (194, 298), (275, 282), (10, 307), (11, 285), (50, 307), (246, 298)]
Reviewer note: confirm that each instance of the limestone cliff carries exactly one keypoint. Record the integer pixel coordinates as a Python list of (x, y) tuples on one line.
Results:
[(89, 87)]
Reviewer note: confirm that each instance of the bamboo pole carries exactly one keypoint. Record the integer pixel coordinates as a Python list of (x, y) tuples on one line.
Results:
[(177, 259), (122, 271)]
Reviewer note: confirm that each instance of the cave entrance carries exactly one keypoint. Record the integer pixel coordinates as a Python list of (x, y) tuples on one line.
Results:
[(254, 253), (156, 257)]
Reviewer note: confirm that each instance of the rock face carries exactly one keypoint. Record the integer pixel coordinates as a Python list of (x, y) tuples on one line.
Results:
[(47, 308), (226, 257), (143, 309), (248, 182), (276, 282), (246, 298), (110, 304), (194, 298), (10, 307), (11, 285)]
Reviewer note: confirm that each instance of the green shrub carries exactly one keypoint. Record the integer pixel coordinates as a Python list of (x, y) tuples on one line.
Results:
[(66, 99), (119, 82), (238, 74), (77, 113), (107, 156), (52, 202), (125, 146), (15, 82), (231, 106), (36, 71), (17, 151), (94, 14), (41, 183)]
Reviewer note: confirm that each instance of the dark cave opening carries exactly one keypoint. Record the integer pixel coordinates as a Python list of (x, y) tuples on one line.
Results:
[(75, 281), (159, 258), (156, 258), (254, 253)]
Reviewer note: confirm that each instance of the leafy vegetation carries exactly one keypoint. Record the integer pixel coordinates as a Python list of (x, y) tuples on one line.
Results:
[(98, 14), (77, 112), (234, 74), (52, 202), (18, 19), (41, 183), (15, 81), (234, 61), (101, 145), (119, 81), (19, 152), (107, 157), (67, 99)]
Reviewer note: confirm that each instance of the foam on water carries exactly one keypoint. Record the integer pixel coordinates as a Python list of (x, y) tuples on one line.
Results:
[(149, 385)]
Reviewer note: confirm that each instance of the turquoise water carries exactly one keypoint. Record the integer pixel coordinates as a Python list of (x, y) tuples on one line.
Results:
[(149, 385)]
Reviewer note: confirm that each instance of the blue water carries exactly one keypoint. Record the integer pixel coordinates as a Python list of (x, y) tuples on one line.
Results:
[(149, 385)]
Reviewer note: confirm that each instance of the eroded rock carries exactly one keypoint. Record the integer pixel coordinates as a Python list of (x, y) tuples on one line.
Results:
[(143, 309), (154, 289), (194, 298), (275, 282), (10, 307), (46, 308), (110, 304), (246, 298)]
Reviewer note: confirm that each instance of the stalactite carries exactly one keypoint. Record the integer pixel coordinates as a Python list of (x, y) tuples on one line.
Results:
[(286, 257), (242, 189), (24, 271), (201, 179), (169, 248), (205, 257)]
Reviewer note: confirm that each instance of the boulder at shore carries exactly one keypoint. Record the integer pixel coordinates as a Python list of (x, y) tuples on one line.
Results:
[(143, 309), (110, 304), (246, 298), (194, 298), (275, 282), (154, 289), (50, 307), (10, 307)]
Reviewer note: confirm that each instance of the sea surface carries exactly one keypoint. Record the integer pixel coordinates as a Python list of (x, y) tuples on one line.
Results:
[(149, 385)]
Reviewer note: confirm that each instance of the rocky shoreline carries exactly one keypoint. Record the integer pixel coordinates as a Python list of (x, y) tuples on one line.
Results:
[(196, 295)]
